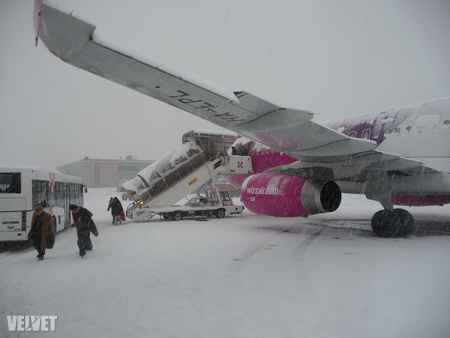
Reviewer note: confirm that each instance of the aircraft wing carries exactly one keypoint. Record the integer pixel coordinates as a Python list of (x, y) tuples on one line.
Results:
[(288, 130)]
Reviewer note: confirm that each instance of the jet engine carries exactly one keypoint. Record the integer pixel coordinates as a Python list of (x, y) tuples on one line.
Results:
[(283, 195)]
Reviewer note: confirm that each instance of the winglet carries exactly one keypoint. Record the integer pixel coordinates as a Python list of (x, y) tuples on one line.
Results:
[(37, 18)]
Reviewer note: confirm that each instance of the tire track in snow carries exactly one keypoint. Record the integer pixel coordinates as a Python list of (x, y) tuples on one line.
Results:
[(298, 271), (303, 247), (284, 248), (244, 257)]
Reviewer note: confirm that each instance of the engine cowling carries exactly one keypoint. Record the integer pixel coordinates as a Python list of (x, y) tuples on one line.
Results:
[(283, 195)]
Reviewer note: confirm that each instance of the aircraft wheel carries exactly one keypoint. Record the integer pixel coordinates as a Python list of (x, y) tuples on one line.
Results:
[(380, 224), (392, 224), (404, 222)]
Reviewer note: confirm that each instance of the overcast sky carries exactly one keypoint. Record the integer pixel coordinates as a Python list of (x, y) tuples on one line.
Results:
[(335, 58)]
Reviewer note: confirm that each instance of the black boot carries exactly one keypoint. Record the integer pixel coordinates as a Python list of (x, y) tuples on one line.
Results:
[(40, 255)]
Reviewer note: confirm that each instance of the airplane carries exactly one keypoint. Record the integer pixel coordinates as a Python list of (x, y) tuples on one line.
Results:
[(398, 156)]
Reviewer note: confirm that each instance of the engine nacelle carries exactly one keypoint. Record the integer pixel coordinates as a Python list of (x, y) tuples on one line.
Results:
[(282, 195)]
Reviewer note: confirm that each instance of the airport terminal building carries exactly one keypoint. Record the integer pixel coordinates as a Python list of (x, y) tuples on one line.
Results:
[(101, 173)]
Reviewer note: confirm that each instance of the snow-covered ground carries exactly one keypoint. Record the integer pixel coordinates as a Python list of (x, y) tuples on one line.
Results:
[(249, 276)]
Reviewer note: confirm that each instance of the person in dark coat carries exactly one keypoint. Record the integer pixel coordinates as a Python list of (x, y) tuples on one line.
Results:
[(85, 225), (41, 228), (116, 210), (110, 208)]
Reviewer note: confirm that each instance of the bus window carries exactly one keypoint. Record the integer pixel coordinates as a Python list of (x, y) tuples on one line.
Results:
[(51, 198), (10, 183), (72, 194), (40, 193), (60, 201)]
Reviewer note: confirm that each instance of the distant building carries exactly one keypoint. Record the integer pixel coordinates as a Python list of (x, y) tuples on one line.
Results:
[(97, 173)]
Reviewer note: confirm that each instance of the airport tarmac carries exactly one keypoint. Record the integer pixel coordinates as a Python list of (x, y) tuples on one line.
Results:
[(249, 276)]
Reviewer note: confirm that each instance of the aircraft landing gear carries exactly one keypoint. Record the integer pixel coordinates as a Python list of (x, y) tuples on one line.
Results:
[(392, 223)]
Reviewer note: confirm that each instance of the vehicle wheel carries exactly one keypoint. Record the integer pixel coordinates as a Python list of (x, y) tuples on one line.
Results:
[(220, 213), (176, 216)]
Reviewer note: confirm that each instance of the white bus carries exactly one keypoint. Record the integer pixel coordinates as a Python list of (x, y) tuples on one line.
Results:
[(22, 189)]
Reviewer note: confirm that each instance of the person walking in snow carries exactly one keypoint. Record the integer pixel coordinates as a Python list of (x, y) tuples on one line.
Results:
[(41, 229), (110, 208), (85, 225), (116, 210)]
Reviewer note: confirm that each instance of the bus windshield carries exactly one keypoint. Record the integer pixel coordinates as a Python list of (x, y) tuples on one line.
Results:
[(10, 183)]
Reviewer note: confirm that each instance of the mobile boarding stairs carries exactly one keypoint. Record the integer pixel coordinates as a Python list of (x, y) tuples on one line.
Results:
[(165, 182)]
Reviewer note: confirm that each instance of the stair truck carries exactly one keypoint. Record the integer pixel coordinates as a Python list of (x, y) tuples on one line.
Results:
[(203, 155)]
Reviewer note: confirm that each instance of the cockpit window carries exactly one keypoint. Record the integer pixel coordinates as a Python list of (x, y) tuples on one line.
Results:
[(243, 149)]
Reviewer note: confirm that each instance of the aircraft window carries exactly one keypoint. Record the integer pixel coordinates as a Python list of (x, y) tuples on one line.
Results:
[(234, 149), (397, 131), (376, 133), (366, 134), (447, 122), (243, 150), (409, 129)]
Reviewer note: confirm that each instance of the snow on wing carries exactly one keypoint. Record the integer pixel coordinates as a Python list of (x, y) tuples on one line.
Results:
[(287, 130)]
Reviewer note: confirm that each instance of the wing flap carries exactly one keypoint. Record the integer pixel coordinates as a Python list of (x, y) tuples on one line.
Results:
[(355, 167)]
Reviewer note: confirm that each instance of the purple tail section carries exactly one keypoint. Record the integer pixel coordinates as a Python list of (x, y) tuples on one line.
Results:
[(37, 18)]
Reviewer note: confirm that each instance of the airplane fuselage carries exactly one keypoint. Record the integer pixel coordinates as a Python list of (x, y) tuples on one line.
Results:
[(420, 132)]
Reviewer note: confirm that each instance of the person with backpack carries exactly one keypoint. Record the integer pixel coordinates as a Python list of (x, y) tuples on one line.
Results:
[(85, 225), (116, 210)]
